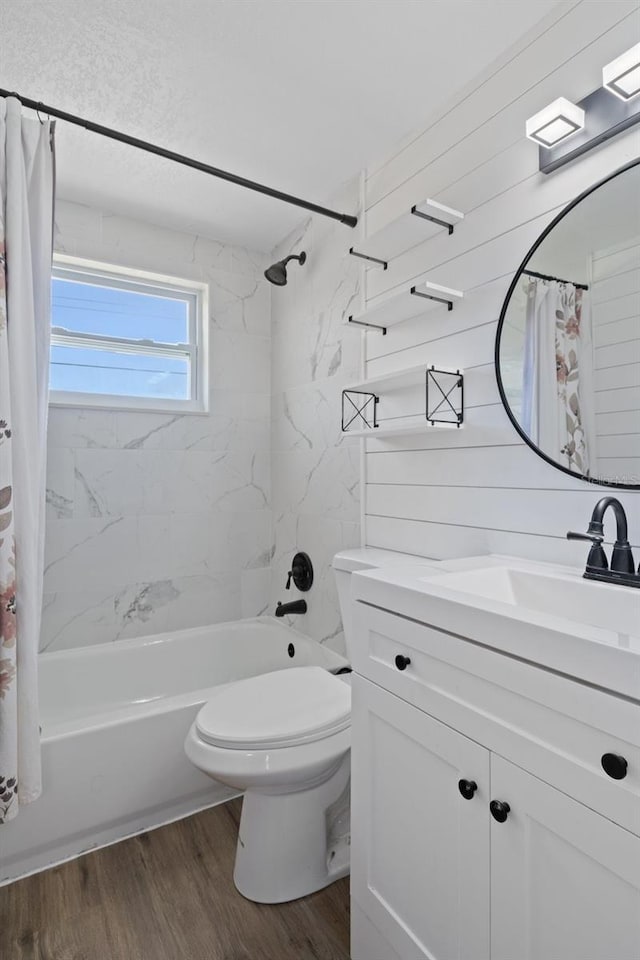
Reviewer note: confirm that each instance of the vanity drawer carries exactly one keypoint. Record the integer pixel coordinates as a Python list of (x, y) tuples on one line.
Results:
[(556, 728)]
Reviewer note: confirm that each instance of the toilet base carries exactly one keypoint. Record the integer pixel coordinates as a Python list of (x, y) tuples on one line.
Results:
[(284, 851)]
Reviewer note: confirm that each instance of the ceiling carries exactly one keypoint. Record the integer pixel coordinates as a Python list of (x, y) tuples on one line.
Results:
[(297, 94)]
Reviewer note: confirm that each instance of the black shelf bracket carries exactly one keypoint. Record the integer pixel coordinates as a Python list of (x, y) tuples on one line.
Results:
[(425, 216), (431, 296), (445, 397), (372, 326), (361, 408), (365, 256)]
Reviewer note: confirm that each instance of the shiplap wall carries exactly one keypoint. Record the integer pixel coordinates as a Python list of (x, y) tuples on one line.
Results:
[(615, 297), (451, 493)]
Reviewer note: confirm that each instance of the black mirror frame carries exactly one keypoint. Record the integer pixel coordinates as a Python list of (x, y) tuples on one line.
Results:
[(503, 313)]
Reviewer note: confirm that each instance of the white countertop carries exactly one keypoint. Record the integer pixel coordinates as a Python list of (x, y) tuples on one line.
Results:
[(554, 638)]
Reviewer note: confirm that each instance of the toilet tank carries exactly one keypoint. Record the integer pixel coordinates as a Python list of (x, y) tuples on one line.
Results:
[(363, 558)]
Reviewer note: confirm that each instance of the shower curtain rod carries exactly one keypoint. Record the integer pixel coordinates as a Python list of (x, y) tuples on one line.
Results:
[(544, 276), (36, 105)]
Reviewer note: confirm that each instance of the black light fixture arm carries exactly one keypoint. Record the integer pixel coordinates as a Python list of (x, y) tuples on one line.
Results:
[(103, 131)]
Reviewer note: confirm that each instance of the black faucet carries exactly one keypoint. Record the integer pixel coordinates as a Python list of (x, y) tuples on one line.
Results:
[(296, 606), (622, 567)]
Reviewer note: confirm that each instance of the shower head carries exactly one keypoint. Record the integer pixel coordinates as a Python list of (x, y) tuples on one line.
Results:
[(277, 272)]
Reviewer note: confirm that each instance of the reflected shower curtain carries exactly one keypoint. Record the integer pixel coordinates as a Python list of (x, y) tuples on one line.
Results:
[(26, 230), (558, 374)]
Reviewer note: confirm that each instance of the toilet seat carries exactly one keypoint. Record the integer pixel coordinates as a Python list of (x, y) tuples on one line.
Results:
[(274, 710)]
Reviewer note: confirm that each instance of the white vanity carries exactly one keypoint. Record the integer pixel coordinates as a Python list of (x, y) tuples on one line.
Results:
[(489, 696)]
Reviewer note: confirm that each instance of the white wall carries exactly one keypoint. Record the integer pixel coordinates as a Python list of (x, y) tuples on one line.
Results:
[(615, 297), (115, 567), (157, 521), (448, 493), (315, 475)]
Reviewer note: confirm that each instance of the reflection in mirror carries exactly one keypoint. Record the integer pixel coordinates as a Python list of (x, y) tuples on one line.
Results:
[(568, 349)]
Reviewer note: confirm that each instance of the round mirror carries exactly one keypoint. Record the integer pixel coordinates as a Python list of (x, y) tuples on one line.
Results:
[(568, 341)]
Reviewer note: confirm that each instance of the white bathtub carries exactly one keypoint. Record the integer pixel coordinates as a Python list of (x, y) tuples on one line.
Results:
[(114, 718)]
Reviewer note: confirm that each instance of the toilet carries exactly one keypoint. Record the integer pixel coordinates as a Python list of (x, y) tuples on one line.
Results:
[(284, 739)]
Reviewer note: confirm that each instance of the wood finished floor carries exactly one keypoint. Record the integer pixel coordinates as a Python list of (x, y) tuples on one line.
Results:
[(166, 895)]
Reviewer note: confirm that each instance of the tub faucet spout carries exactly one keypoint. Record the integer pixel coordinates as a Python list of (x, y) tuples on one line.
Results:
[(296, 606)]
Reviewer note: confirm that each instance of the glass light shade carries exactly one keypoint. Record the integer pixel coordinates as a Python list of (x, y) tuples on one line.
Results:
[(555, 123), (622, 75)]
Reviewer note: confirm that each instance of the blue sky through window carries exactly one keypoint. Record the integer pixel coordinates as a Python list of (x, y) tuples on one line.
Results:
[(112, 312), (91, 309), (81, 370)]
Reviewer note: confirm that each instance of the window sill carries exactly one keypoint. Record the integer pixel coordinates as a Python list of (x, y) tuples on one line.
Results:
[(114, 404)]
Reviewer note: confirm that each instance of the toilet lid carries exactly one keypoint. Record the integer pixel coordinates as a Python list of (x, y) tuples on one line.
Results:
[(278, 709)]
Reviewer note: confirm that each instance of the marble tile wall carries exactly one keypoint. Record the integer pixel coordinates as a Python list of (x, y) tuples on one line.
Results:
[(157, 521), (315, 474)]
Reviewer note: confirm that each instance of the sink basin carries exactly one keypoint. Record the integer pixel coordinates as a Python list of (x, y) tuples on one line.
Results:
[(558, 596), (543, 613)]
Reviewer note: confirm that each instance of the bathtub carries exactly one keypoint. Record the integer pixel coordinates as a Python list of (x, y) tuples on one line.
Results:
[(114, 718)]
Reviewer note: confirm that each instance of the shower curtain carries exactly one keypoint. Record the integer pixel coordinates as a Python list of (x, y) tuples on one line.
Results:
[(26, 230), (557, 408)]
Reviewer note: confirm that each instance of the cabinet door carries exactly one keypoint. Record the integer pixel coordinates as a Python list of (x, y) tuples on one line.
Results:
[(420, 851), (565, 881)]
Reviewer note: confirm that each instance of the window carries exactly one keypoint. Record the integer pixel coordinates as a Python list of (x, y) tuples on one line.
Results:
[(126, 338)]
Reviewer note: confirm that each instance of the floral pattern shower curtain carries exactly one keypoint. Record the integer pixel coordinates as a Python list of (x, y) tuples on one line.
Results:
[(8, 766), (558, 374), (26, 229), (573, 373)]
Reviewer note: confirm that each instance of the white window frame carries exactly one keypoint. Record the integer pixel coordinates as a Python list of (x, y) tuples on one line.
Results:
[(142, 281)]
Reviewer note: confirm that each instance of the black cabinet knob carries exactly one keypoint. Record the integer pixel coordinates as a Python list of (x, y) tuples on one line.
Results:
[(467, 788), (402, 662), (499, 810), (614, 765)]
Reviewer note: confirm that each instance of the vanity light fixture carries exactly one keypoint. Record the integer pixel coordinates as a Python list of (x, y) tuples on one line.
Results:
[(555, 123), (592, 121), (622, 75)]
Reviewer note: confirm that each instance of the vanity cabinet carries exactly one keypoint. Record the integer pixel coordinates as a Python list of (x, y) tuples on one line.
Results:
[(441, 729), (419, 850), (564, 880)]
